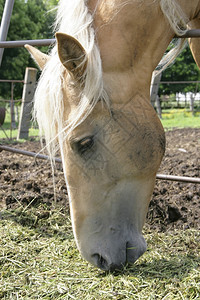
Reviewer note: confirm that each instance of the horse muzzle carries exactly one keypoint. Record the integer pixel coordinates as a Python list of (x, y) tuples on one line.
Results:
[(115, 255)]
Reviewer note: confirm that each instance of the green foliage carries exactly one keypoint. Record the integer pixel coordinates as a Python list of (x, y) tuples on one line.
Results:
[(29, 20), (184, 69), (51, 3)]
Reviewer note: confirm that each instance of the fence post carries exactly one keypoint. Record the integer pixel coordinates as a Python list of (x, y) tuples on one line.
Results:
[(192, 103), (155, 82), (12, 108), (26, 108), (158, 107)]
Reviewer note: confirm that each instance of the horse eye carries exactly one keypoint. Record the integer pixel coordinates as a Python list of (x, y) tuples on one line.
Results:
[(85, 144)]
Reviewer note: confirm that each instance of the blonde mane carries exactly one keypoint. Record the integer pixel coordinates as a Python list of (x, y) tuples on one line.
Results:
[(73, 18), (178, 21)]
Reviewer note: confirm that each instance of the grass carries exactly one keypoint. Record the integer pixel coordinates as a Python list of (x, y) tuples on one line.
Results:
[(180, 119), (39, 260), (13, 134)]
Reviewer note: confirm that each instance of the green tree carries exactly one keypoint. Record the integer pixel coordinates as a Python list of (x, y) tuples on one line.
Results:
[(184, 69), (51, 3), (30, 20)]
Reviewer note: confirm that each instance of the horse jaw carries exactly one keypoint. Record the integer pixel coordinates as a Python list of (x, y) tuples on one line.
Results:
[(40, 58)]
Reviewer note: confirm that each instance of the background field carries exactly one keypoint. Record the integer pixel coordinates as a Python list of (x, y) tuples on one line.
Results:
[(180, 118)]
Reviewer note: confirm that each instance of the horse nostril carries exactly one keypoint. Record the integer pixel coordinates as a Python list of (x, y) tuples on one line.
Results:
[(100, 262), (103, 264)]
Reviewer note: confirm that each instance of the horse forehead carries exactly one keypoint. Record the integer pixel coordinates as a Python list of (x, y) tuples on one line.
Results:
[(121, 12), (71, 91)]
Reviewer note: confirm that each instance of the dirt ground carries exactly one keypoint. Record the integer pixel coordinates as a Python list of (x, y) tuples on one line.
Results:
[(26, 182)]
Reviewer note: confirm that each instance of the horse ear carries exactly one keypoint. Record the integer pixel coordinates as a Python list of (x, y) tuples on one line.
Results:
[(40, 58), (72, 54)]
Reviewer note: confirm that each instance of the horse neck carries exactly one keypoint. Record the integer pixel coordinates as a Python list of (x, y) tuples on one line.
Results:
[(132, 39), (190, 8)]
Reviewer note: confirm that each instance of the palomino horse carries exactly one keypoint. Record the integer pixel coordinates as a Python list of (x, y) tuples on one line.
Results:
[(93, 103)]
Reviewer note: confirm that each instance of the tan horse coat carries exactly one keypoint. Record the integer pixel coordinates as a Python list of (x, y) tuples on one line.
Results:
[(111, 158)]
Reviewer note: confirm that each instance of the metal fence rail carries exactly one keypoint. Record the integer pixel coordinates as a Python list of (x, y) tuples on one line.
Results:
[(193, 33), (158, 176), (178, 178), (27, 153), (16, 44)]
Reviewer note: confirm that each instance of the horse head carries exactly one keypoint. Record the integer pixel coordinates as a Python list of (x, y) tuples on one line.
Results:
[(110, 162)]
